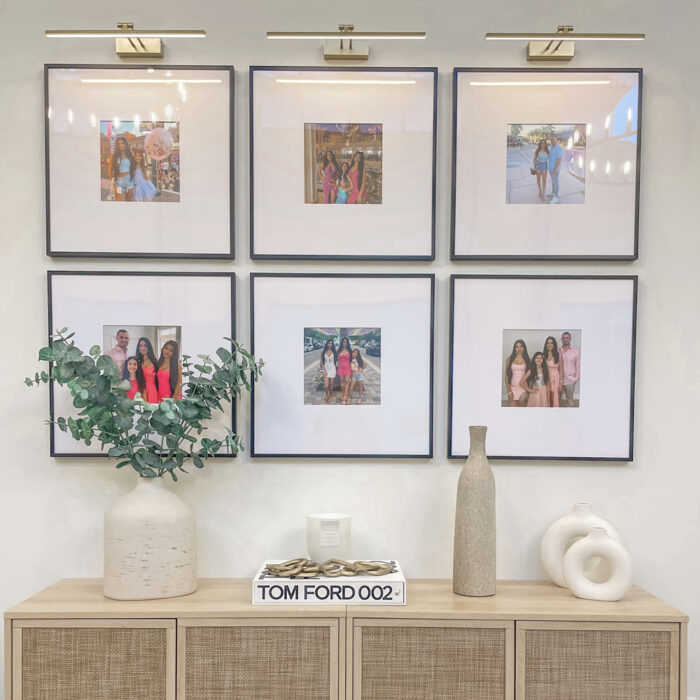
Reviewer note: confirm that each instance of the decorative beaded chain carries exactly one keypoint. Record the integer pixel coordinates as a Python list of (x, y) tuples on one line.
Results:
[(305, 568)]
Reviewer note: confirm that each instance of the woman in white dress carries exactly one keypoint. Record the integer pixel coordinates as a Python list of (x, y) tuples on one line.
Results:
[(329, 361)]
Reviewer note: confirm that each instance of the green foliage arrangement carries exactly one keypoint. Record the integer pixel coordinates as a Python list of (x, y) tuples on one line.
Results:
[(155, 439)]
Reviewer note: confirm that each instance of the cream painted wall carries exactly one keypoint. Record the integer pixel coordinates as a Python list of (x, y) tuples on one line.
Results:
[(51, 509)]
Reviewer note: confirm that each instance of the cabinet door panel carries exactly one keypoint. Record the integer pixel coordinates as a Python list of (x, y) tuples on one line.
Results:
[(249, 659), (597, 661), (437, 659), (95, 660)]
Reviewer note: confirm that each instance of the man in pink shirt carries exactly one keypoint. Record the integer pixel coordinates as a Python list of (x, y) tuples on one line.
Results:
[(120, 351), (571, 364)]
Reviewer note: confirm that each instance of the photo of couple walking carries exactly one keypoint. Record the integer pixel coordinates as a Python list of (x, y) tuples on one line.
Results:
[(544, 379), (344, 363), (139, 161), (343, 163), (546, 164), (148, 358)]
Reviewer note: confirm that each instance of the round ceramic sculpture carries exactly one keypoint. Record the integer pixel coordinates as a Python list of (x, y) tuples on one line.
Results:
[(563, 533), (474, 565), (598, 544), (150, 543)]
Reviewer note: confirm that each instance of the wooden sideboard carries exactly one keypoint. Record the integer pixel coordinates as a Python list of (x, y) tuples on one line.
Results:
[(531, 641)]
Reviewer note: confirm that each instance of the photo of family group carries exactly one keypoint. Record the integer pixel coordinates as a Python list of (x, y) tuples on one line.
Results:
[(342, 366), (148, 357), (343, 163), (139, 161), (546, 163), (541, 368)]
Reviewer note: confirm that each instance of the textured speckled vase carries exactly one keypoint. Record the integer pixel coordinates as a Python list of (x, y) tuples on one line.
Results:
[(150, 547), (474, 565)]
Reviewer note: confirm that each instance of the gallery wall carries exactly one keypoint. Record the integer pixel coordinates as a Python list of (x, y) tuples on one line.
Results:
[(51, 509)]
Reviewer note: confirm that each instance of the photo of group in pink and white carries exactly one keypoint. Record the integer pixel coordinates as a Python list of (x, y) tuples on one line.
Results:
[(343, 163), (541, 369), (148, 357), (342, 366)]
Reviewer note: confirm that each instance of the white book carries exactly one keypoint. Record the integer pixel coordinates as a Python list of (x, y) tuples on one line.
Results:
[(323, 590)]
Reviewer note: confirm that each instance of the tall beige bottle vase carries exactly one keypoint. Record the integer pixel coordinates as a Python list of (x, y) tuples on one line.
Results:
[(150, 544), (474, 565)]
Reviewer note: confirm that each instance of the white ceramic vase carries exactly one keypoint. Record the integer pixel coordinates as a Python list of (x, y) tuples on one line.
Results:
[(474, 562), (150, 548), (598, 544), (563, 533)]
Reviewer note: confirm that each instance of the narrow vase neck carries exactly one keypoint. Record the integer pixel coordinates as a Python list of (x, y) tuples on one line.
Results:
[(477, 441), (582, 509), (146, 483)]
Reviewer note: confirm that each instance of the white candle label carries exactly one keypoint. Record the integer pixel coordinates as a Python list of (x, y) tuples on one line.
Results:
[(330, 533)]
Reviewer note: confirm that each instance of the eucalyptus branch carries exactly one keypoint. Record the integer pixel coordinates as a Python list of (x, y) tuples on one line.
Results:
[(127, 426)]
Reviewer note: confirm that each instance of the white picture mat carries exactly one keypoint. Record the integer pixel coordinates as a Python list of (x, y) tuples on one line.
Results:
[(401, 307), (484, 224), (534, 342), (601, 309), (201, 305), (80, 222), (284, 223)]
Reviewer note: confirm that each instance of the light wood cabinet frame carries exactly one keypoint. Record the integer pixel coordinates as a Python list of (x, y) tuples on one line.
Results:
[(354, 658), (518, 606), (18, 626), (336, 658), (674, 671)]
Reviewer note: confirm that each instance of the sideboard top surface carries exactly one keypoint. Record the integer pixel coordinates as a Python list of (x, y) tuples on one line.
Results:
[(426, 598)]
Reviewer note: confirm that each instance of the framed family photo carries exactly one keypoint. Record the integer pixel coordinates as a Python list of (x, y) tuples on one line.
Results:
[(139, 161), (321, 137), (546, 163), (146, 322), (562, 344), (348, 365)]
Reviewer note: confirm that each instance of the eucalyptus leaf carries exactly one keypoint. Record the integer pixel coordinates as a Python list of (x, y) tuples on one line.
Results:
[(149, 437)]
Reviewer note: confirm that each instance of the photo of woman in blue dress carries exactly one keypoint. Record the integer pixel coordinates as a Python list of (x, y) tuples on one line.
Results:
[(144, 191)]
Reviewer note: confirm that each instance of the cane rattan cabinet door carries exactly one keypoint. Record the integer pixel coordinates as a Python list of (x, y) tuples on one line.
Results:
[(436, 659), (259, 659), (93, 660), (597, 661)]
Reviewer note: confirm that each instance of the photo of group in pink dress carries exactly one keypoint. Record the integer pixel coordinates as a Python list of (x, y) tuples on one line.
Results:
[(343, 163), (342, 366), (541, 369), (148, 357)]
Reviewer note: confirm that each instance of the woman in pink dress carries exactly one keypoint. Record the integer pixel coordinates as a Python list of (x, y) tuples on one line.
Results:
[(516, 366), (344, 370), (132, 373), (356, 174), (536, 383), (169, 372), (148, 362), (554, 369), (328, 172)]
